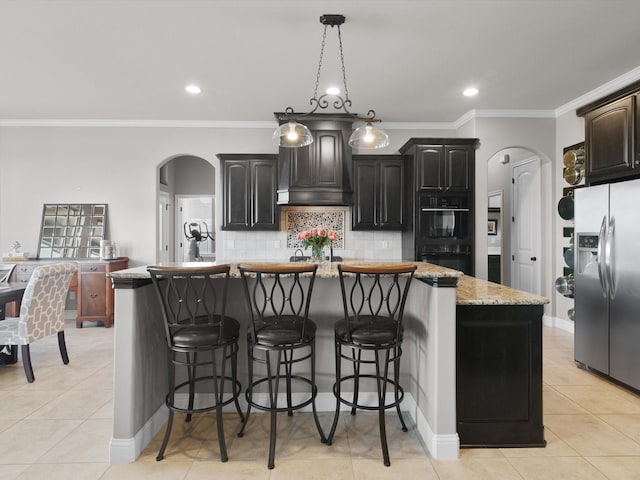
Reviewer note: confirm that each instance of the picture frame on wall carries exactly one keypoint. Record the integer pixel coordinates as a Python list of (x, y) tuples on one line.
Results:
[(492, 227)]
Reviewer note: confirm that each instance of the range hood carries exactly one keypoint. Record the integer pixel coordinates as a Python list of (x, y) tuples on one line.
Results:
[(320, 173)]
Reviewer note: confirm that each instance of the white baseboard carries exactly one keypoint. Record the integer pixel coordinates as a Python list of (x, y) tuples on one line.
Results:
[(127, 450), (561, 323), (439, 446)]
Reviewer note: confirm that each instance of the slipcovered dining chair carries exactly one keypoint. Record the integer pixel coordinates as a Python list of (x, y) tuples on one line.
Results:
[(41, 312), (280, 342), (201, 341), (369, 337)]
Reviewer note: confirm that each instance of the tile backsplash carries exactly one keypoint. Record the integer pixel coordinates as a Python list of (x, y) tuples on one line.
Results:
[(277, 246), (299, 221)]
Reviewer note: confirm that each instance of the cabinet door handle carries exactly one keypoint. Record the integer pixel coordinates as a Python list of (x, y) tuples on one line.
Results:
[(533, 259), (93, 269), (93, 295)]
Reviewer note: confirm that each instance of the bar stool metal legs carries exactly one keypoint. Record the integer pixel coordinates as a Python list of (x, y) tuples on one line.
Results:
[(369, 337), (216, 384), (201, 341), (281, 341)]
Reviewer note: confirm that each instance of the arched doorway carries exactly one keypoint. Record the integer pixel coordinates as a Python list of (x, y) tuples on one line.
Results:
[(186, 209), (514, 232)]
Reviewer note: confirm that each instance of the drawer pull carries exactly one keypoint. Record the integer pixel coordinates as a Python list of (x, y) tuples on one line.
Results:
[(93, 269), (93, 295)]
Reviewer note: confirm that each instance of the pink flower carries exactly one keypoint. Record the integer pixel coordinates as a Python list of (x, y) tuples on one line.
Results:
[(321, 232), (314, 231), (333, 236), (306, 235)]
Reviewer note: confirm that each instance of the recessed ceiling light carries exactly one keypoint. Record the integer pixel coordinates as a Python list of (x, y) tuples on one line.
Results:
[(470, 92), (333, 91), (193, 89)]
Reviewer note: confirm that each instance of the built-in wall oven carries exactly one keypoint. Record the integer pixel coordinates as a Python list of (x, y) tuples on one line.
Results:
[(444, 231), (458, 260)]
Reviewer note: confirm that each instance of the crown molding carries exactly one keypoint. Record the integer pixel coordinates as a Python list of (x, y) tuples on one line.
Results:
[(417, 125), (599, 92), (472, 114), (55, 122), (101, 123)]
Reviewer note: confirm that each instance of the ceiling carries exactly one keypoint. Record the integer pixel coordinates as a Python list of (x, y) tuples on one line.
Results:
[(407, 60)]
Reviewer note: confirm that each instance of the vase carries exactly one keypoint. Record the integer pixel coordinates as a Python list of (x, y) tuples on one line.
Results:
[(317, 254)]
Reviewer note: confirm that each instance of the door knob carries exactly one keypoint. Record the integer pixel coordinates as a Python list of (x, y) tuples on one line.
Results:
[(533, 259)]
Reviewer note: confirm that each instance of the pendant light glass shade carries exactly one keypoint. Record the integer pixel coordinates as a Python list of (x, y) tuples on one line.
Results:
[(292, 135), (369, 137)]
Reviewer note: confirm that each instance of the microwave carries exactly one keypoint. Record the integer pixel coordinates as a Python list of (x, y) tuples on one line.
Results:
[(443, 217)]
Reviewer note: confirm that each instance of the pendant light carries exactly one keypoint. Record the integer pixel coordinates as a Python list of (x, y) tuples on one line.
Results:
[(292, 134)]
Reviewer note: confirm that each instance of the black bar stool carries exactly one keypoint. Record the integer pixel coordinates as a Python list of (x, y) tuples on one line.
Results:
[(281, 337), (201, 338), (370, 336)]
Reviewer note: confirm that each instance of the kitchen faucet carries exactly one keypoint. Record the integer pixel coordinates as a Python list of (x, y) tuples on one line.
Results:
[(295, 254)]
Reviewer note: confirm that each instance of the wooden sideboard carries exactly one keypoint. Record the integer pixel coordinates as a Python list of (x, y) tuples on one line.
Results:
[(92, 287)]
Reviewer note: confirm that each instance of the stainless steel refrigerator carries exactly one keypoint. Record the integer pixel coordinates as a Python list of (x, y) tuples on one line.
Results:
[(607, 279)]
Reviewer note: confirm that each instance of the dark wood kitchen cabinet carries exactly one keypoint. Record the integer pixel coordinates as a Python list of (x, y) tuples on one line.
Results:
[(499, 375), (609, 137), (442, 165), (249, 192), (439, 192), (612, 136), (320, 163), (378, 192), (319, 173)]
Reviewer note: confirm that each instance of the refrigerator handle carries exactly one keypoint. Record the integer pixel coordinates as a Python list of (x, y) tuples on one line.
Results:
[(609, 258), (601, 258)]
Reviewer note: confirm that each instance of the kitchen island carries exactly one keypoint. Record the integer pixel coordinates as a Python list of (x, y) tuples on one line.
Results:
[(428, 363), (498, 365)]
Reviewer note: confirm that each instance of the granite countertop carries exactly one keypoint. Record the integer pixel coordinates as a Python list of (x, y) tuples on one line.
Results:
[(470, 291), (325, 270), (473, 291)]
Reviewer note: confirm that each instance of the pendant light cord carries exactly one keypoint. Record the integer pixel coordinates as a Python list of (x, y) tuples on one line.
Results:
[(324, 37), (344, 71)]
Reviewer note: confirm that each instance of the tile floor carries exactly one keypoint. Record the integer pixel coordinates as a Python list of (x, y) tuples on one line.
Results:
[(59, 428)]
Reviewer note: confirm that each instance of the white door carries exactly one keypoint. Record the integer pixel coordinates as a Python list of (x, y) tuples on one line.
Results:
[(199, 211), (164, 251), (526, 236)]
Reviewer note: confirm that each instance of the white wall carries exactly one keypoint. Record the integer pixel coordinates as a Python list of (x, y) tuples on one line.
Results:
[(194, 176), (496, 134), (119, 166)]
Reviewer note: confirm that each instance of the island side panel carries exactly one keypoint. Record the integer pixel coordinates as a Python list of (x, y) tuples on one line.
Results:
[(140, 372), (499, 375), (429, 360)]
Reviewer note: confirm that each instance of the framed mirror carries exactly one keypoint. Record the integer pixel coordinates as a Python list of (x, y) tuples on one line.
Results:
[(72, 230)]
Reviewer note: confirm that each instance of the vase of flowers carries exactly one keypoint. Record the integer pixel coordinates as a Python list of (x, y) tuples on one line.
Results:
[(317, 238)]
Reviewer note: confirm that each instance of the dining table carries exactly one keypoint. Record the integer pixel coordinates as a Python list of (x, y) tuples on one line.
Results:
[(9, 292)]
